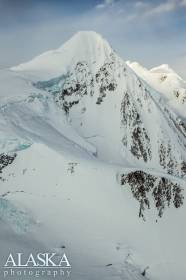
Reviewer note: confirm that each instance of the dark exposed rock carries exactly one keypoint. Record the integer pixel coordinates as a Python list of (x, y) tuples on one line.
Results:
[(183, 167), (137, 148), (144, 186), (71, 167), (138, 140), (178, 123), (77, 83), (5, 160), (163, 78), (80, 82), (99, 100), (144, 271), (105, 79), (169, 162), (181, 96), (68, 105)]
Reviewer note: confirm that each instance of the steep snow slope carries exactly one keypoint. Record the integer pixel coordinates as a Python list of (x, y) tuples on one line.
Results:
[(167, 81), (91, 156)]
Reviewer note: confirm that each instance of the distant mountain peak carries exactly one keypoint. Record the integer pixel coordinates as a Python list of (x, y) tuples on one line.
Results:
[(165, 80)]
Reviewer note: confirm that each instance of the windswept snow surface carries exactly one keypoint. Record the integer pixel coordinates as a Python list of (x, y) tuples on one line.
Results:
[(75, 119), (165, 80)]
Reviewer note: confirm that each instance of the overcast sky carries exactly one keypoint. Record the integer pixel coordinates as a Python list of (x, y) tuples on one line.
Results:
[(151, 32)]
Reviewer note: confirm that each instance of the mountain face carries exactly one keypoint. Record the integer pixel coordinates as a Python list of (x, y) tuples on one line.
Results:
[(87, 139), (98, 87)]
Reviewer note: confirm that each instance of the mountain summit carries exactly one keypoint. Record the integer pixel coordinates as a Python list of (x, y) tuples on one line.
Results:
[(83, 46)]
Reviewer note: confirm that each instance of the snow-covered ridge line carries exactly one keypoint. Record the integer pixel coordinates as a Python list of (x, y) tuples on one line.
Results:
[(165, 80)]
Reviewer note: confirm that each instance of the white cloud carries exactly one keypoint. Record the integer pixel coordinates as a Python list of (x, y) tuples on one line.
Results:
[(109, 2), (140, 4), (162, 8), (100, 6), (143, 9), (105, 3)]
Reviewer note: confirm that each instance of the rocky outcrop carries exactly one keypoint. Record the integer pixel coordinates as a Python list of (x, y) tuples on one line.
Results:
[(5, 160), (106, 80), (145, 187), (78, 83), (137, 139)]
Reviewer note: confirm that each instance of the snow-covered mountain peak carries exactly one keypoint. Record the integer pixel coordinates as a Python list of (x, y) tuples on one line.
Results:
[(158, 71), (86, 46), (86, 40), (165, 80)]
